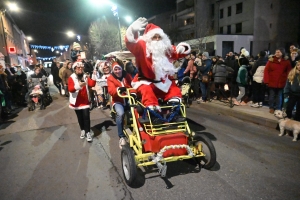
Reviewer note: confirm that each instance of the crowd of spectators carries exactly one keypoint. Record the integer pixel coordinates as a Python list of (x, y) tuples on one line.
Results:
[(248, 80)]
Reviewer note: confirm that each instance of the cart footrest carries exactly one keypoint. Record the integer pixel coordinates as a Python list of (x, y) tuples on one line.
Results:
[(143, 121)]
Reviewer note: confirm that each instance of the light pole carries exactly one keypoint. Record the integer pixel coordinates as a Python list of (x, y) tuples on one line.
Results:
[(114, 9)]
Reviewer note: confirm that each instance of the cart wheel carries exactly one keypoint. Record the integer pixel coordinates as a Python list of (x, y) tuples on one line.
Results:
[(128, 164), (209, 160)]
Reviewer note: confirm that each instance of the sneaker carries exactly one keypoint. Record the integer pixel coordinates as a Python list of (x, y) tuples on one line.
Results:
[(122, 142), (89, 137), (255, 105), (260, 104), (201, 101), (82, 135)]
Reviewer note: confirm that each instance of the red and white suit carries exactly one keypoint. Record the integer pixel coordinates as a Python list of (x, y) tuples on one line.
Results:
[(79, 96), (145, 82)]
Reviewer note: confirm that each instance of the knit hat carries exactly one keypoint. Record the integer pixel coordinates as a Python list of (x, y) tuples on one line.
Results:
[(76, 45), (102, 66), (206, 54), (244, 52), (115, 64), (243, 61), (77, 64)]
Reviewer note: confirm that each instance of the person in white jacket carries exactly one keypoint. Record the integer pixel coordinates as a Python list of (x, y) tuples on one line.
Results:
[(101, 83)]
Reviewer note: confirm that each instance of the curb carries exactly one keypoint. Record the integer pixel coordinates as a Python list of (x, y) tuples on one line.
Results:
[(225, 110)]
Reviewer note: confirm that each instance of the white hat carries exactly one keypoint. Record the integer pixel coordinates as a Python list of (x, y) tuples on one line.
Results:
[(244, 52), (76, 45), (77, 64)]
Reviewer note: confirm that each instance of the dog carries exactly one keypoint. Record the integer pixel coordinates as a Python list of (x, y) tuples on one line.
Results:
[(287, 124)]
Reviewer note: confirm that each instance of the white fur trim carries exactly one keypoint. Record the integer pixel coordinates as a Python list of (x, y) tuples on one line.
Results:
[(136, 85), (78, 108), (152, 32), (164, 86), (188, 51)]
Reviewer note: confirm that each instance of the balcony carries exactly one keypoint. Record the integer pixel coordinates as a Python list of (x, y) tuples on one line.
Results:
[(187, 12), (186, 27)]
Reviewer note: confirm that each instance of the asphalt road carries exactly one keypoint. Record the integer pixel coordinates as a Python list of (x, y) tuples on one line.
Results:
[(42, 157)]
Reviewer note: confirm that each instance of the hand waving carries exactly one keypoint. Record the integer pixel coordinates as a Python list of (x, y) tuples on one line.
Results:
[(139, 24)]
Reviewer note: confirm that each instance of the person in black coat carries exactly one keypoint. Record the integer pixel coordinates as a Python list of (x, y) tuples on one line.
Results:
[(56, 78), (43, 71), (220, 73), (53, 65)]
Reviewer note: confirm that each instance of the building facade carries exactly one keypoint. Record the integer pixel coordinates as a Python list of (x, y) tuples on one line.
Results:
[(220, 26), (13, 41)]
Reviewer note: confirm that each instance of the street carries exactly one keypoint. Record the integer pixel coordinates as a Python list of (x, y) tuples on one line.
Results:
[(42, 157)]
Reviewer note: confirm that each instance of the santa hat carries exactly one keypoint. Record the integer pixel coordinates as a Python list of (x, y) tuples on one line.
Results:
[(151, 30), (102, 66), (115, 64), (77, 64), (76, 45)]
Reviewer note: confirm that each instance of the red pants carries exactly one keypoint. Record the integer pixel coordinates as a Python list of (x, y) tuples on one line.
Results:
[(150, 94)]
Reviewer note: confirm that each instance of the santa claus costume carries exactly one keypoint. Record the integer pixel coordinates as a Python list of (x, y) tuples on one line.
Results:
[(154, 62), (80, 98)]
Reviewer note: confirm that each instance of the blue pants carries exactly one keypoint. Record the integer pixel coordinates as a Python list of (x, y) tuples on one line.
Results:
[(119, 108), (275, 98), (203, 87)]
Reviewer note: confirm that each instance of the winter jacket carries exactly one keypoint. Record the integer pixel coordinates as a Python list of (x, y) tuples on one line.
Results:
[(205, 68), (242, 77), (88, 67), (191, 69), (220, 72), (258, 69), (43, 71), (79, 96), (65, 76), (275, 73), (114, 84), (293, 88), (55, 74), (61, 71)]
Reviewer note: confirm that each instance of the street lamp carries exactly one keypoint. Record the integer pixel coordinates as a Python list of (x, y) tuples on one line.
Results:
[(128, 19), (70, 34), (29, 38), (114, 9), (13, 6)]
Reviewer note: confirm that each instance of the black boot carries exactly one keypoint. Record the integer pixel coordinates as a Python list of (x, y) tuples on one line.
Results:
[(176, 116)]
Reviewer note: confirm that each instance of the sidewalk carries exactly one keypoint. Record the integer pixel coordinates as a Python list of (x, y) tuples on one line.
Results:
[(260, 116)]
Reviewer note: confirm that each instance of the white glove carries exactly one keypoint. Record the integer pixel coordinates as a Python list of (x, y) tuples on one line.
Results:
[(180, 49), (139, 24)]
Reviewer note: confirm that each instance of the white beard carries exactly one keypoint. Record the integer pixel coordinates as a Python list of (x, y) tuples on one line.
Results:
[(161, 65)]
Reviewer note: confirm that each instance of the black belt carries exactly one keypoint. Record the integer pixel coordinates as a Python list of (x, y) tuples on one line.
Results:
[(140, 78)]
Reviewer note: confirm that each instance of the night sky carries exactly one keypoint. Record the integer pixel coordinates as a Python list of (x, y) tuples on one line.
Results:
[(47, 21)]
